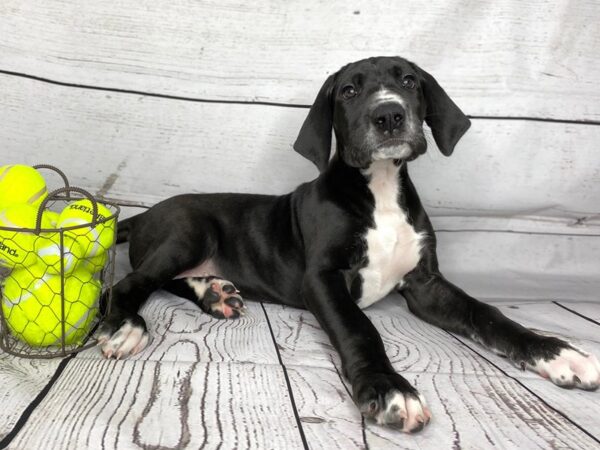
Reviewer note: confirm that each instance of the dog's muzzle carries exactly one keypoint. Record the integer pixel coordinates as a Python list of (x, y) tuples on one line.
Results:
[(393, 149), (393, 134)]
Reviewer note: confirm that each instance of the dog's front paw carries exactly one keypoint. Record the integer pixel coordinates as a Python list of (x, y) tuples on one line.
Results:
[(564, 364), (121, 337), (390, 400)]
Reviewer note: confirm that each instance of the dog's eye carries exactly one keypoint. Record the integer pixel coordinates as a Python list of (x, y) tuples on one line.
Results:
[(409, 82), (348, 92)]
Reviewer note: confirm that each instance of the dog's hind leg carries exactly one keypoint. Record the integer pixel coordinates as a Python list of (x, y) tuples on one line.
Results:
[(123, 331), (214, 295)]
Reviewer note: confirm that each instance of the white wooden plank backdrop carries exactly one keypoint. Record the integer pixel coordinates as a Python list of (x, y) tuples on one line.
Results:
[(104, 140), (508, 58), (132, 101)]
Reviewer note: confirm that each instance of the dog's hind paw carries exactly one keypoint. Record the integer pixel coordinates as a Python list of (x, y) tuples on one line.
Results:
[(217, 297), (568, 366), (126, 339)]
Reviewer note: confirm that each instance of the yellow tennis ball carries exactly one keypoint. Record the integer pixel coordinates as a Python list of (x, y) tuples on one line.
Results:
[(52, 217), (95, 264), (21, 184), (48, 249), (94, 240), (17, 247), (32, 307)]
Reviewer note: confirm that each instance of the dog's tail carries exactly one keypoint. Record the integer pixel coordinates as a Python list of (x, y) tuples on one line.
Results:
[(124, 228)]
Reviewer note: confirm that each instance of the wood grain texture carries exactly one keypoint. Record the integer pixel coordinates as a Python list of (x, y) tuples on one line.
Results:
[(474, 404), (209, 383), (164, 404), (415, 346), (482, 413), (551, 318), (328, 415), (469, 412), (523, 223), (580, 406), (505, 58), (171, 320), (140, 148), (21, 380), (184, 391), (519, 265)]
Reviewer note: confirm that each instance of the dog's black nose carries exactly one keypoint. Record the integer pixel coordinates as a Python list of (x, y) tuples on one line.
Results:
[(388, 116)]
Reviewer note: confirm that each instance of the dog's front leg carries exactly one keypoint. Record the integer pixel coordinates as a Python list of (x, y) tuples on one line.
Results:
[(432, 298), (379, 392)]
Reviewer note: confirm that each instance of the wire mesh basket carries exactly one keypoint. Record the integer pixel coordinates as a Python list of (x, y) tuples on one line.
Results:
[(56, 278)]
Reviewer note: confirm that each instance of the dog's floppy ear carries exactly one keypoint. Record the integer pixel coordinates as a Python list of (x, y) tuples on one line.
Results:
[(314, 140), (447, 122)]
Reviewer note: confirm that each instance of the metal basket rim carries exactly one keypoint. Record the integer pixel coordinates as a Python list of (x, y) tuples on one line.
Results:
[(113, 216)]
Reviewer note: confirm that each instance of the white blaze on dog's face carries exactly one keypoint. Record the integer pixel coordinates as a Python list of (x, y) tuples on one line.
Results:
[(393, 147), (376, 108), (379, 111)]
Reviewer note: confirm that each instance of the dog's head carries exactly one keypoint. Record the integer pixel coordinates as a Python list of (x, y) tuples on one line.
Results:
[(376, 108)]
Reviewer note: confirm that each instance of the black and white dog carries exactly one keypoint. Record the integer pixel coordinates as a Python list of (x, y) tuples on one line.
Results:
[(335, 245)]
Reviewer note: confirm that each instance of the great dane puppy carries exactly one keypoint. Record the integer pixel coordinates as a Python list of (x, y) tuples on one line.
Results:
[(335, 245)]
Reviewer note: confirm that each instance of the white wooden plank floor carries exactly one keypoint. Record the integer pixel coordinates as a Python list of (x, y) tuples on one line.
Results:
[(272, 380)]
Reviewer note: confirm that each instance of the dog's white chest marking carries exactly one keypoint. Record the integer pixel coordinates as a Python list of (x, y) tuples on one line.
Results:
[(393, 246)]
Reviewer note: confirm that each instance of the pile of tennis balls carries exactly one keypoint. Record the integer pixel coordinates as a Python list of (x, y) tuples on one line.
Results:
[(31, 291)]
